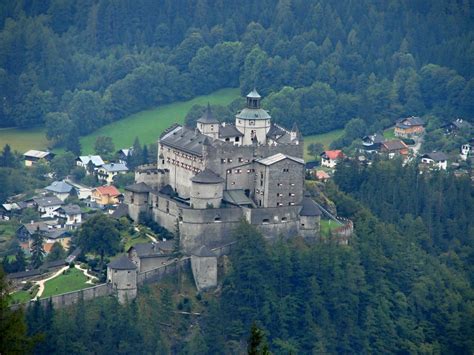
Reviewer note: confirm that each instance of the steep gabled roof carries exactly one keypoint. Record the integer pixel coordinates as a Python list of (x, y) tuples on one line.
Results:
[(254, 94), (207, 117), (333, 154), (122, 263), (184, 139), (96, 160), (228, 131), (71, 209), (207, 176), (115, 167), (32, 153)]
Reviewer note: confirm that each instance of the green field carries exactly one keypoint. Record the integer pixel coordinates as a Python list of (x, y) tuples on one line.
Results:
[(24, 139), (20, 297), (73, 280), (327, 226), (389, 133), (148, 125), (324, 138)]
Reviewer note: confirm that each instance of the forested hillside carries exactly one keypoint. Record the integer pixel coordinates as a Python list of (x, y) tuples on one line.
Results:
[(398, 288), (75, 66)]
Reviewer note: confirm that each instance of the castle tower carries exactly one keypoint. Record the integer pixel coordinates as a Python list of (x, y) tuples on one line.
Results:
[(253, 121), (122, 276), (207, 124), (310, 216), (207, 189), (204, 267)]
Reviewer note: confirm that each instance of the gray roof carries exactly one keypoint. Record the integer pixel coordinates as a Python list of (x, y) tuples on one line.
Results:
[(203, 251), (33, 227), (59, 187), (184, 139), (275, 132), (310, 208), (410, 121), (208, 117), (207, 176), (140, 187), (167, 190), (436, 156), (57, 233), (122, 263), (115, 167), (229, 131), (237, 197), (120, 211), (71, 209), (48, 201), (144, 250), (32, 153), (278, 157), (254, 94), (253, 114), (96, 159)]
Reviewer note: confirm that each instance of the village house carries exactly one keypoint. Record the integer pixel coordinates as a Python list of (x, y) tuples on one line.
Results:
[(106, 195), (435, 160), (456, 126), (372, 143), (107, 172), (89, 162), (330, 158), (61, 236), (409, 127), (466, 150), (147, 256), (71, 214), (51, 231), (123, 155), (47, 206), (393, 148), (60, 189), (34, 156), (321, 175)]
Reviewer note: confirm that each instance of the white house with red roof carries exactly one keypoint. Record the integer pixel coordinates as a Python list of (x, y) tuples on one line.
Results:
[(329, 158)]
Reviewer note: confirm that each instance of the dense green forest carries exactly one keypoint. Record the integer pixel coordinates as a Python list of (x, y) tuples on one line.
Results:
[(75, 66), (403, 285)]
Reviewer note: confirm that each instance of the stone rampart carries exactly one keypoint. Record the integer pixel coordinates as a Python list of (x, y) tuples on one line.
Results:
[(157, 274), (70, 298)]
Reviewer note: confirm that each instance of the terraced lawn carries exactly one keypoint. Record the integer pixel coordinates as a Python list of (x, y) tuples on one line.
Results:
[(327, 226), (325, 139), (73, 280), (20, 297)]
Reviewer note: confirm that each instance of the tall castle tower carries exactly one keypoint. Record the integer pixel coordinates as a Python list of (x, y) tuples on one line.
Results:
[(253, 121)]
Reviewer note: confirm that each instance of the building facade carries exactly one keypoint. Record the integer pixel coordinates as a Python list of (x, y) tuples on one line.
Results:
[(209, 178)]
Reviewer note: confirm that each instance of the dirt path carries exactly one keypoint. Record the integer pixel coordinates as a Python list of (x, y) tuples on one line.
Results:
[(41, 283), (89, 276)]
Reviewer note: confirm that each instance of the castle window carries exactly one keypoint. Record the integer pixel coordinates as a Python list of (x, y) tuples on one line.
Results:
[(279, 204), (217, 218), (291, 194), (223, 161), (279, 184), (286, 170), (238, 171), (279, 194), (284, 219), (229, 171), (291, 204), (237, 139), (265, 221), (252, 123), (292, 184), (233, 183), (241, 160), (132, 200), (229, 160)]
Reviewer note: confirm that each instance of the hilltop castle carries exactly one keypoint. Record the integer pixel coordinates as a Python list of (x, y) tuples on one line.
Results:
[(208, 179)]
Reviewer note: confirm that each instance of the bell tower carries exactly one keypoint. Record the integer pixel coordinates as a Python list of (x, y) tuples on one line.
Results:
[(253, 121)]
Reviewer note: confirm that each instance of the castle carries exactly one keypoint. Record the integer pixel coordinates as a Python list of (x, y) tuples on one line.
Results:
[(208, 179)]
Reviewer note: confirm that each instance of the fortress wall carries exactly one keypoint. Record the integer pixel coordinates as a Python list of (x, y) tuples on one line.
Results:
[(162, 271), (67, 299)]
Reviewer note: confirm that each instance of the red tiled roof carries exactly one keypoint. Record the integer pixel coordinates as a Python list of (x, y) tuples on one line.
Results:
[(334, 154), (108, 190), (321, 175)]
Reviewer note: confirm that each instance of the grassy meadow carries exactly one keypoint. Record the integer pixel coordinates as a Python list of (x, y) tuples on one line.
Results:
[(148, 125), (72, 280), (325, 139), (24, 139)]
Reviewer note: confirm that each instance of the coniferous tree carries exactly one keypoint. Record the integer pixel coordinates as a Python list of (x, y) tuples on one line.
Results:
[(37, 250)]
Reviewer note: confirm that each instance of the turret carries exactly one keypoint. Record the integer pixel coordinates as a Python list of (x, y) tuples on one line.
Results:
[(207, 124), (122, 276), (310, 216), (204, 267), (253, 121), (207, 189)]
